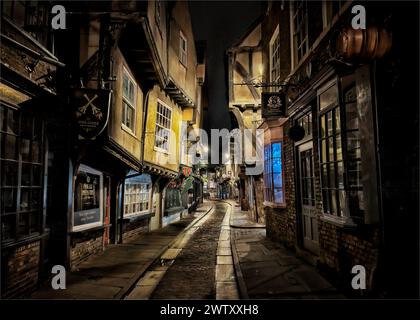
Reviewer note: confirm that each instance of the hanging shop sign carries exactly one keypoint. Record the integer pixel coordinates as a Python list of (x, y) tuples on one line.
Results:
[(273, 104), (91, 111)]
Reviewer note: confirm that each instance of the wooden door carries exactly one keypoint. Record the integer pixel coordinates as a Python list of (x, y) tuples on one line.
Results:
[(307, 197)]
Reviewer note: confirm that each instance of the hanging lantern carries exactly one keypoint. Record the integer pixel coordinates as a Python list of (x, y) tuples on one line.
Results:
[(370, 43)]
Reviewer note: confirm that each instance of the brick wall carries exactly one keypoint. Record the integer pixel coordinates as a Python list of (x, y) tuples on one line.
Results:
[(133, 229), (341, 249), (81, 250), (20, 270)]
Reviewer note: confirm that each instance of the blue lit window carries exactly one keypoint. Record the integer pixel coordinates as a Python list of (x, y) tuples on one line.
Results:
[(273, 173)]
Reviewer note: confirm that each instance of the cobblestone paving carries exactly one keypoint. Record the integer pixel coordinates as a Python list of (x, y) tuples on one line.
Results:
[(192, 275)]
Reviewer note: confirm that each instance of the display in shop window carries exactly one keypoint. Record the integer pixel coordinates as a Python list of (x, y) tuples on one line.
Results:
[(87, 202)]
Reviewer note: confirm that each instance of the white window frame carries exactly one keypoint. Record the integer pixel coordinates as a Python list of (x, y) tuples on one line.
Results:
[(183, 54), (131, 104), (158, 148), (87, 169), (137, 213), (274, 37)]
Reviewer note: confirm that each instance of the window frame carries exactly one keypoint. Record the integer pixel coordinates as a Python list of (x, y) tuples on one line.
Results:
[(17, 236), (346, 218), (182, 52), (147, 202), (275, 37), (168, 130), (129, 104), (295, 48), (271, 202)]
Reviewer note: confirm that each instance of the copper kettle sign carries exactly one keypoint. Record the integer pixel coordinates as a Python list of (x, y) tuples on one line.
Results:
[(91, 111)]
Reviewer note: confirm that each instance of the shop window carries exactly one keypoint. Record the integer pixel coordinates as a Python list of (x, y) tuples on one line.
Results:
[(273, 174), (129, 102), (342, 191), (22, 170), (172, 198), (163, 126), (136, 197), (88, 199)]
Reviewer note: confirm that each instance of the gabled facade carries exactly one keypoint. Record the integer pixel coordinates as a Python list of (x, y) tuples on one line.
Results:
[(173, 108)]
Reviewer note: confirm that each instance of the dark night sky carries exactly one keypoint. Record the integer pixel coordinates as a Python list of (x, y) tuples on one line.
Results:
[(220, 24)]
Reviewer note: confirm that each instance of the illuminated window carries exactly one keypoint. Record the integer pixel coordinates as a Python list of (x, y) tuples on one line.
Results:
[(163, 126), (136, 196), (273, 173), (88, 197), (342, 192)]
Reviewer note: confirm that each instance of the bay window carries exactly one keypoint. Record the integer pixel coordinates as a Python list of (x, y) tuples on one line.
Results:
[(340, 162)]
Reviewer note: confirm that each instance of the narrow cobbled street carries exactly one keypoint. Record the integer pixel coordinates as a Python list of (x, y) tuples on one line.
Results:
[(192, 275)]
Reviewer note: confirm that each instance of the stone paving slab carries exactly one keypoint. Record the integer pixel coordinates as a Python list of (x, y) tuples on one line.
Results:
[(226, 291), (268, 270), (225, 273), (109, 274)]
